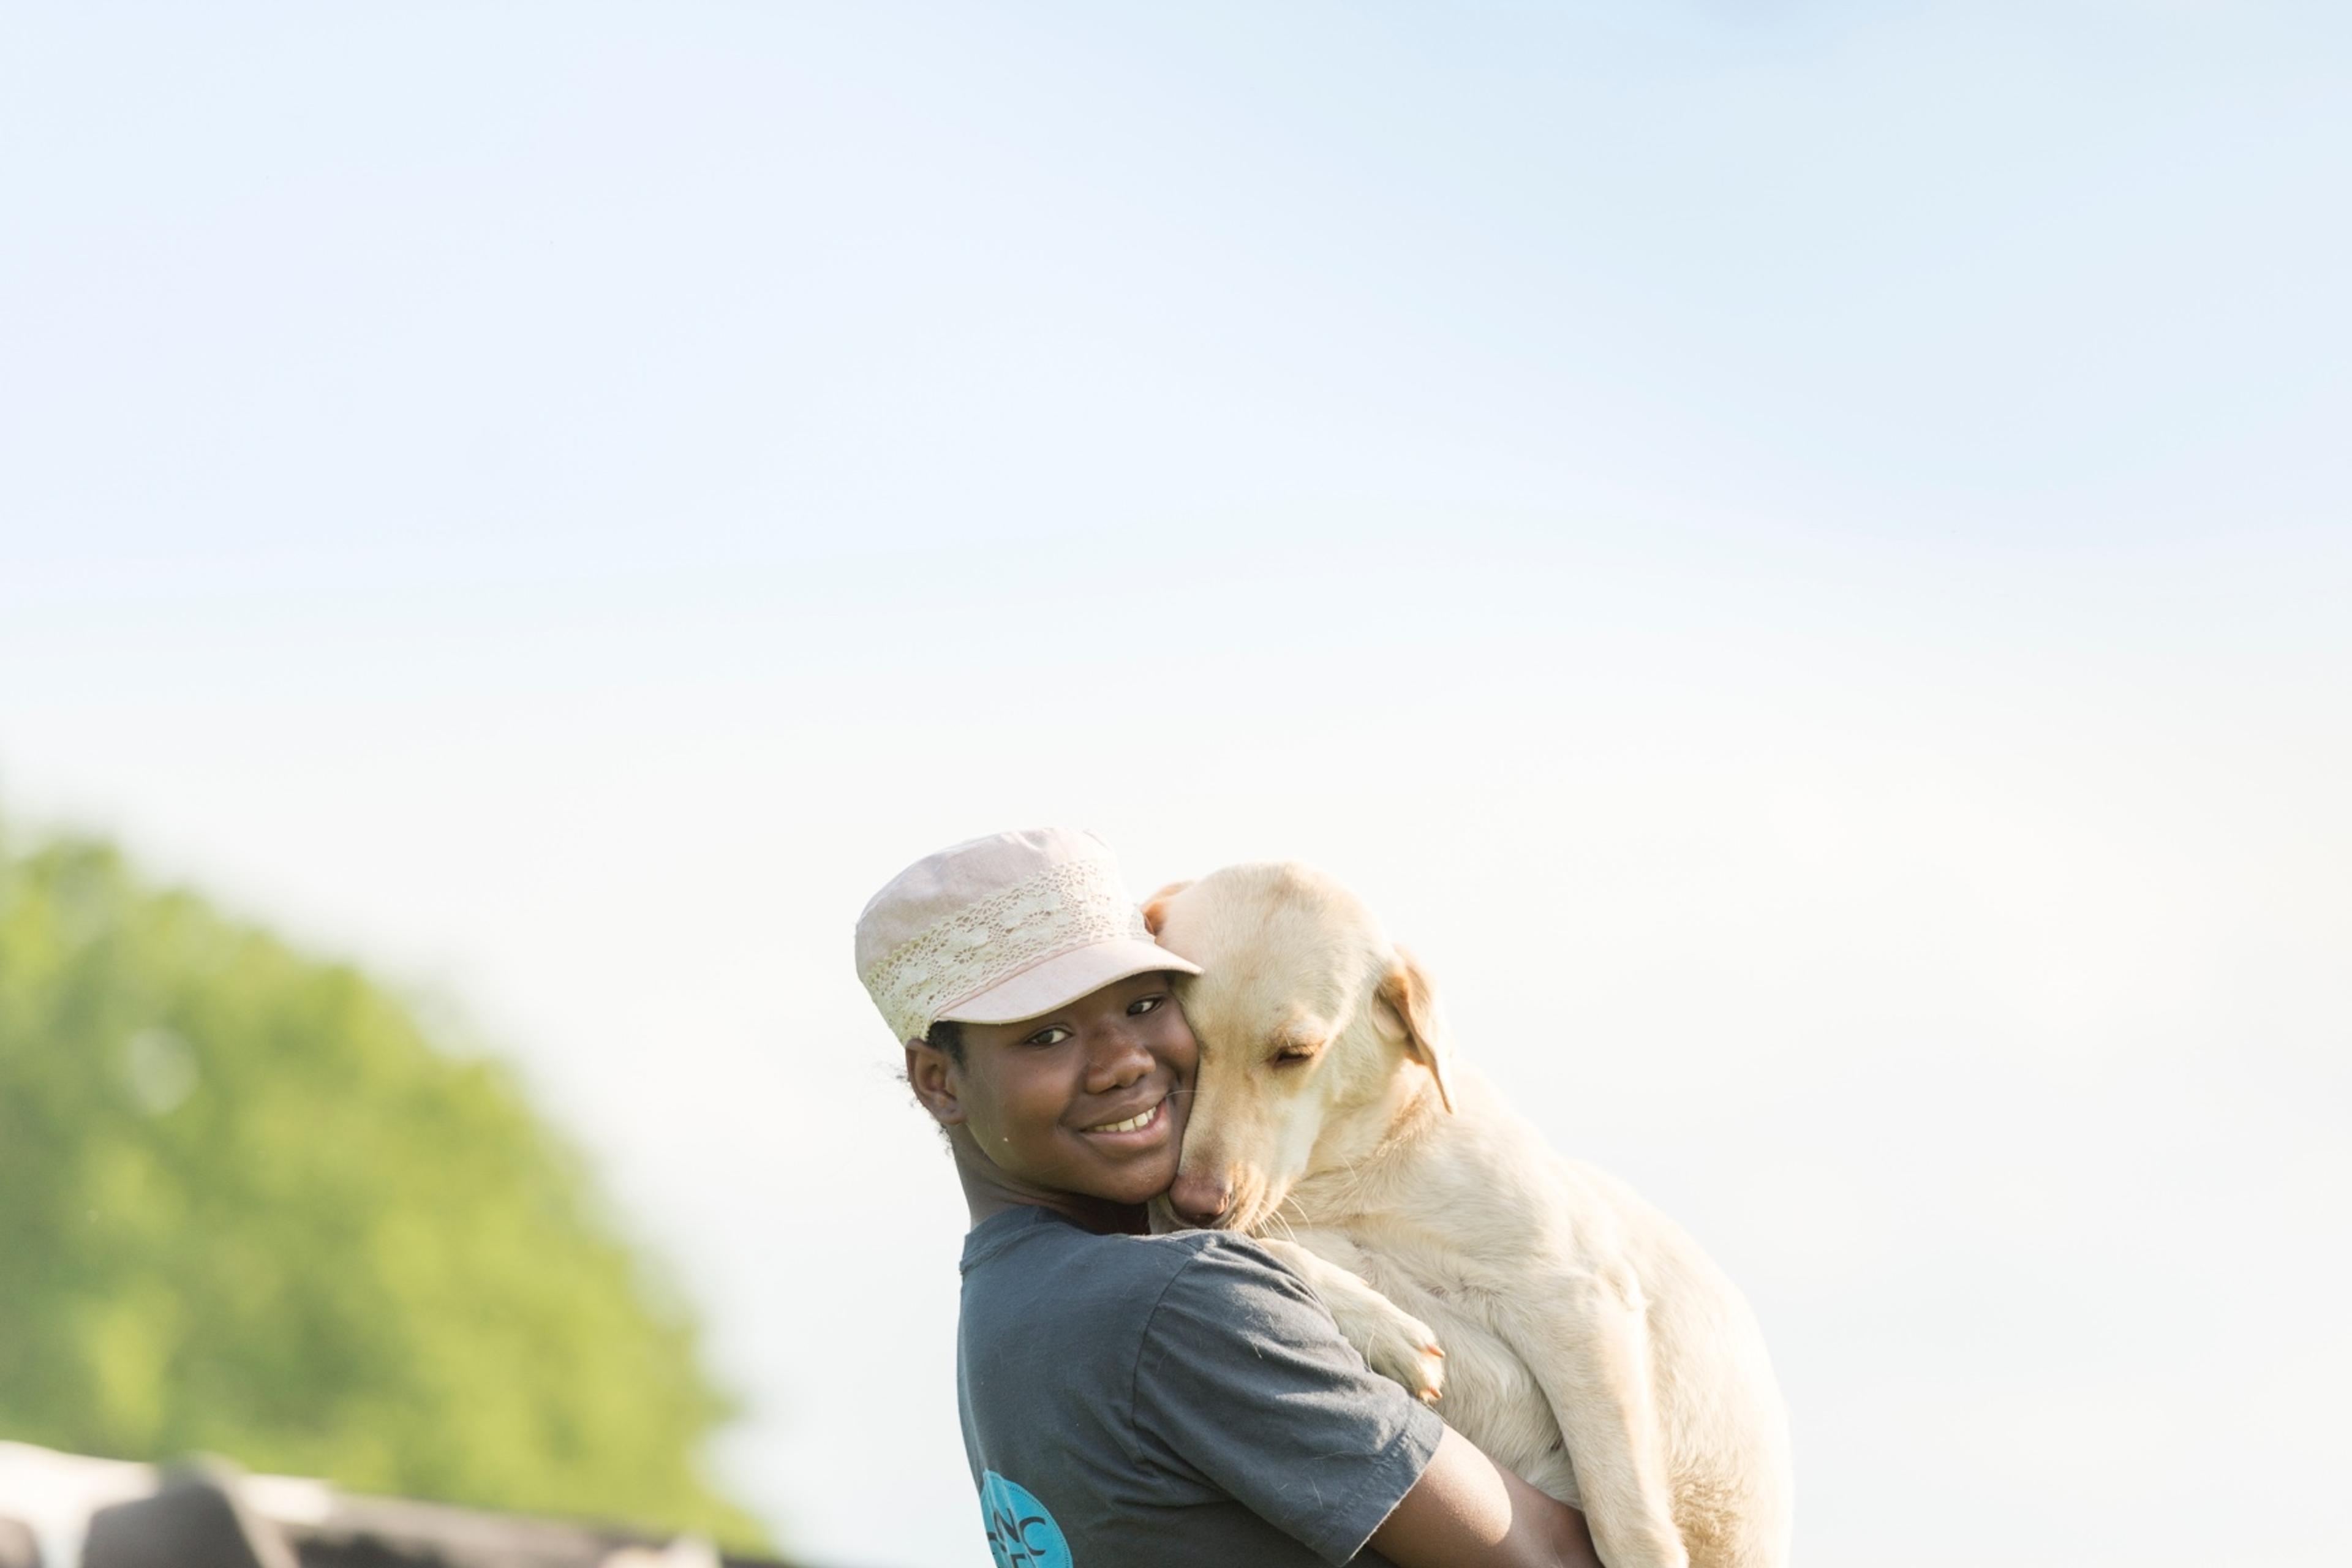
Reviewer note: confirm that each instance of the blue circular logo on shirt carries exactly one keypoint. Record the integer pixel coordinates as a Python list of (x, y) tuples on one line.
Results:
[(1021, 1532)]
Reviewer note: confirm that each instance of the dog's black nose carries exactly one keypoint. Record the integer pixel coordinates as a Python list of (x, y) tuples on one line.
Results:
[(1200, 1199)]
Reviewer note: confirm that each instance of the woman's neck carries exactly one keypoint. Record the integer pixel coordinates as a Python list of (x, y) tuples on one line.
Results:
[(988, 1192)]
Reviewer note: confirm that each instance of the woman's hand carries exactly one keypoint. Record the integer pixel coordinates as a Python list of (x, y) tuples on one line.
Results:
[(1466, 1511)]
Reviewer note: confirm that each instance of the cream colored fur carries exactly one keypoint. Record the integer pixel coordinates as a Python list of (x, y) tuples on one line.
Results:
[(1562, 1324)]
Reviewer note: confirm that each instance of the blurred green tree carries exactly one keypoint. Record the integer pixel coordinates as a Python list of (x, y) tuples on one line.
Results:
[(248, 1207)]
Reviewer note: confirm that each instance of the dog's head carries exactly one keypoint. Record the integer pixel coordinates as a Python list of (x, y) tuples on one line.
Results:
[(1316, 1032)]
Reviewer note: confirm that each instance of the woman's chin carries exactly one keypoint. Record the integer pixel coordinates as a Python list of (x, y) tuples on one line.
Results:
[(1140, 1186)]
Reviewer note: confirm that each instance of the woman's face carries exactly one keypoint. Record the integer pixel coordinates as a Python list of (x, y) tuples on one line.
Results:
[(1087, 1100)]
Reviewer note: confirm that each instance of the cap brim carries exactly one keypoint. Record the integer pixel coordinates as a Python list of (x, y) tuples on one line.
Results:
[(1063, 978)]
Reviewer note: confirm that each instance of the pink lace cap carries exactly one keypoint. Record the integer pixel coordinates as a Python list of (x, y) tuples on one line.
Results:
[(1003, 927)]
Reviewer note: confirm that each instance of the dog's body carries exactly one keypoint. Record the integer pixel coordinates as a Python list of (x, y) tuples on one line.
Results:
[(1575, 1334)]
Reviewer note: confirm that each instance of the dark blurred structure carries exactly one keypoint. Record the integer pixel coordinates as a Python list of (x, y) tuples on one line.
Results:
[(64, 1510), (192, 1520)]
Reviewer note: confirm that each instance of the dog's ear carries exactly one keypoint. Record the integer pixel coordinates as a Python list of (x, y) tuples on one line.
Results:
[(1155, 908), (1404, 992)]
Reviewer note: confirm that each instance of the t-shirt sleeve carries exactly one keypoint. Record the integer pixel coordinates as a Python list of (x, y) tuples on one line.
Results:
[(1244, 1377)]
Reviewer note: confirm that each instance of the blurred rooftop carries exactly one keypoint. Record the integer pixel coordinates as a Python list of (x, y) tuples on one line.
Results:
[(70, 1511)]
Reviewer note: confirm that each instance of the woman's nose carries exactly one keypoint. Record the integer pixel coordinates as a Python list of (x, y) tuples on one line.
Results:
[(1118, 1060)]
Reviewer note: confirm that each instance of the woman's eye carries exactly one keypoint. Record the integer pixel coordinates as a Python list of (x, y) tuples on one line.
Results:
[(1142, 1004), (1053, 1036)]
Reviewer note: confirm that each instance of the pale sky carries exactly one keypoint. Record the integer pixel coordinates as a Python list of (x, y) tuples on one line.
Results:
[(1797, 552)]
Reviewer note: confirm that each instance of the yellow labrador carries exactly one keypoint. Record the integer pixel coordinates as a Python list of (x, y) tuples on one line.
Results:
[(1575, 1333)]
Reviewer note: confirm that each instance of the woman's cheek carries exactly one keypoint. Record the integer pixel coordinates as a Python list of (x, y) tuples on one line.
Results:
[(1182, 1052)]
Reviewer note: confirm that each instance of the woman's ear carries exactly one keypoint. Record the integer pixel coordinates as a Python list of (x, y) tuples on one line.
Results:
[(932, 1074), (1155, 908)]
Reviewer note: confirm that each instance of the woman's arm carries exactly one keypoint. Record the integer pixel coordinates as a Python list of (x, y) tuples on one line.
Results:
[(1466, 1511)]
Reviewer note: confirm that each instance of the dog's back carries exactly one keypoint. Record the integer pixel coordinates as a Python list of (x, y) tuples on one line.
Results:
[(1469, 1213)]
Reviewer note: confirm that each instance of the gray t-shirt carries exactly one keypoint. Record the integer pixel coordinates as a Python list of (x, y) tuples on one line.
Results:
[(1169, 1402)]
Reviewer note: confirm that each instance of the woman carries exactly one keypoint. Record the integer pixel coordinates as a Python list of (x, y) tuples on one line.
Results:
[(1133, 1401)]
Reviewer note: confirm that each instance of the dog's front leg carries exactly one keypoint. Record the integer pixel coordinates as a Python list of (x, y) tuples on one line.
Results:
[(1400, 1346), (1588, 1345)]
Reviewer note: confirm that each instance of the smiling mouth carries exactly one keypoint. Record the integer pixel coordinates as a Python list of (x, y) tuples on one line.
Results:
[(1137, 1122)]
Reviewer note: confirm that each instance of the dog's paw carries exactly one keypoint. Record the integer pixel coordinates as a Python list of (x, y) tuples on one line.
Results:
[(1400, 1346), (1403, 1349)]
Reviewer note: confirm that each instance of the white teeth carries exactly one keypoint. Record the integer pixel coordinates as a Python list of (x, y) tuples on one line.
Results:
[(1132, 1124)]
